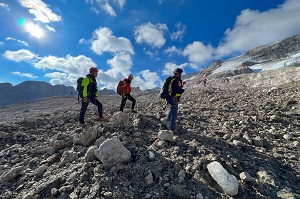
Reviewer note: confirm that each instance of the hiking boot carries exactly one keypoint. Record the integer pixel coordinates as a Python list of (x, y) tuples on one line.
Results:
[(102, 119), (133, 111), (82, 125)]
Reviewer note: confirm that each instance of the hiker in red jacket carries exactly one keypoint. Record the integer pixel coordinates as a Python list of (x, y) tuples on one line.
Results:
[(126, 95)]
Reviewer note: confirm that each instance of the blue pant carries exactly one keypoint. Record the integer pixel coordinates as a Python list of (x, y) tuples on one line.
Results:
[(173, 101), (84, 106)]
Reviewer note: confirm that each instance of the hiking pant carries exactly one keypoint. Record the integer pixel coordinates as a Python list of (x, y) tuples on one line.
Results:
[(173, 101), (84, 106), (124, 99)]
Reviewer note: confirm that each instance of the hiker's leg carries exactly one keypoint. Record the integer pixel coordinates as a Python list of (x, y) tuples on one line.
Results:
[(169, 115), (173, 116), (84, 106), (99, 105), (173, 111), (169, 101), (133, 101), (123, 102)]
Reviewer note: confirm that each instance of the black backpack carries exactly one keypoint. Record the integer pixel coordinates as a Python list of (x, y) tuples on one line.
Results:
[(164, 93), (79, 88)]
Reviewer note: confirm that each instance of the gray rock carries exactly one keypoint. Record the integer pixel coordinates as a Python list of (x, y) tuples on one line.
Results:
[(12, 173), (111, 152)]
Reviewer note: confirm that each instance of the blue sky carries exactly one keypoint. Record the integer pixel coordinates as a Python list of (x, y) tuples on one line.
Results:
[(57, 41)]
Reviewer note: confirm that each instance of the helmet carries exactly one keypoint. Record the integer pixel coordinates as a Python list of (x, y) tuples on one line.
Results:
[(93, 69), (130, 76), (178, 70)]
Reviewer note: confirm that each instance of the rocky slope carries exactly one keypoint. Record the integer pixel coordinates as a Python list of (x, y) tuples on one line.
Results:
[(253, 132), (277, 50)]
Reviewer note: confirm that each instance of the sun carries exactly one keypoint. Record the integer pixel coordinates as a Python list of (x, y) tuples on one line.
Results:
[(34, 30)]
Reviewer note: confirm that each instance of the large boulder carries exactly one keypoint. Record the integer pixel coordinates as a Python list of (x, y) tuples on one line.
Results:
[(227, 181), (112, 152), (121, 119)]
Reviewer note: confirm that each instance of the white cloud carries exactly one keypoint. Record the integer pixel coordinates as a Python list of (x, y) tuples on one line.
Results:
[(148, 80), (13, 39), (108, 6), (152, 35), (72, 65), (197, 52), (66, 70), (94, 10), (120, 64), (153, 54), (178, 33), (20, 55), (50, 28), (173, 50), (82, 41), (161, 1), (59, 78), (253, 28), (108, 9), (169, 68), (3, 5), (40, 10), (104, 41), (121, 3), (30, 75)]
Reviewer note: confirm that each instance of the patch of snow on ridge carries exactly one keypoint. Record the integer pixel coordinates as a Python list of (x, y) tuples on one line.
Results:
[(296, 55), (275, 64), (261, 66), (230, 64)]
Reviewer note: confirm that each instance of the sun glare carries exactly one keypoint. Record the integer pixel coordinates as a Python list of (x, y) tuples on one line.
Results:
[(34, 30)]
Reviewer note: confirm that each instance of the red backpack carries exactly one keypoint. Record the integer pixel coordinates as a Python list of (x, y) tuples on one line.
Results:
[(121, 88)]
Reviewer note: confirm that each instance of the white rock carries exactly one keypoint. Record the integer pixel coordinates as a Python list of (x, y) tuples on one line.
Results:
[(111, 152), (227, 181), (89, 155), (287, 136), (151, 155), (246, 177), (238, 143), (181, 174), (121, 119), (199, 196)]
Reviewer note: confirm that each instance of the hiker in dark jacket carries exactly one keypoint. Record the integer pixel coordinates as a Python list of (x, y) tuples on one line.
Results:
[(175, 90), (90, 93), (126, 95)]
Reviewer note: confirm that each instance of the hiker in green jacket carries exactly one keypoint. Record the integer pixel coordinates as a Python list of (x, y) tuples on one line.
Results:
[(89, 94), (175, 91)]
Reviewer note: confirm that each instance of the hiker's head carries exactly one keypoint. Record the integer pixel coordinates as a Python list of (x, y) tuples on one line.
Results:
[(94, 71), (177, 72), (130, 77)]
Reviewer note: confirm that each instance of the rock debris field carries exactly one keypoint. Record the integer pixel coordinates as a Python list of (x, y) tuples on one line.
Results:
[(229, 143)]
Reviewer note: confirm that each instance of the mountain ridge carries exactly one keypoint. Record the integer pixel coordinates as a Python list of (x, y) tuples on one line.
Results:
[(31, 90)]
